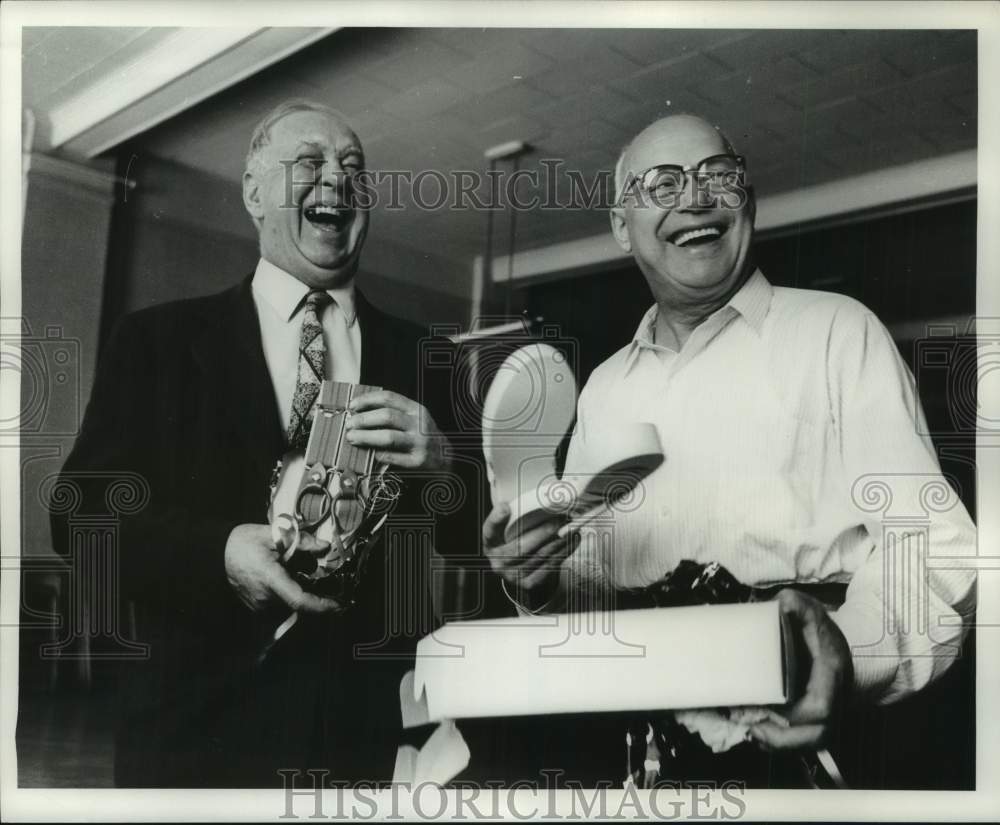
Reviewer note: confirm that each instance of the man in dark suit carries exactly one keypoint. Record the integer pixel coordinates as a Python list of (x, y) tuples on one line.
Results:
[(200, 398)]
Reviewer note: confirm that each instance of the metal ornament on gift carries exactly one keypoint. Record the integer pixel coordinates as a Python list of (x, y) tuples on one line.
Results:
[(335, 492)]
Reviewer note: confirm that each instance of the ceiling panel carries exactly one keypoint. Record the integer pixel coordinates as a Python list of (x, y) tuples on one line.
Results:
[(426, 99), (748, 51), (649, 46), (952, 133), (480, 111), (354, 92), (844, 81), (598, 64), (884, 150), (531, 130), (62, 60), (805, 106), (415, 62), (659, 82), (500, 65), (595, 101), (34, 36), (770, 77), (56, 59)]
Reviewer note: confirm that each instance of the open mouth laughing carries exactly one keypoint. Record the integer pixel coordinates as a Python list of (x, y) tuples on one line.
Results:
[(695, 236), (328, 217)]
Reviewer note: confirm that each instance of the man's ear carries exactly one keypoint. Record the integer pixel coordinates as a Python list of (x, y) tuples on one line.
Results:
[(252, 196), (619, 228)]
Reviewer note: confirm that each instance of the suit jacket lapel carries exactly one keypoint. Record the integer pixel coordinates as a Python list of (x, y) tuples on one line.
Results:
[(231, 355), (373, 343)]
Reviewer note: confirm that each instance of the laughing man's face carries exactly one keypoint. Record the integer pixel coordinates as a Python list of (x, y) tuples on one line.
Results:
[(299, 193), (692, 255)]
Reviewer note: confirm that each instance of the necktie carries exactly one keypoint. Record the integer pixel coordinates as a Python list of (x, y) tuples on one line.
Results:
[(311, 369)]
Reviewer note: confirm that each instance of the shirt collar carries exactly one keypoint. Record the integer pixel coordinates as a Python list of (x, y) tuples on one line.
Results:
[(285, 293), (752, 301)]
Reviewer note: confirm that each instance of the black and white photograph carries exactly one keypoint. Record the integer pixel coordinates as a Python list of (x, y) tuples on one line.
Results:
[(500, 411)]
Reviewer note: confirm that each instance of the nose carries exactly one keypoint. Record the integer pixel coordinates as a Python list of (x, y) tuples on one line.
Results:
[(332, 174), (691, 198)]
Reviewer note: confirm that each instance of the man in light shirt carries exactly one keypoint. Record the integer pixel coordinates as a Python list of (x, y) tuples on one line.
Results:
[(200, 398), (788, 423)]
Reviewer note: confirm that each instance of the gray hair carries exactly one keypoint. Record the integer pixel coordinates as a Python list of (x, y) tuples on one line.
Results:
[(261, 136)]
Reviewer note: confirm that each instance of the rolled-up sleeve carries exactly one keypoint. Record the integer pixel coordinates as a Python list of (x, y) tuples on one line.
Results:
[(910, 603)]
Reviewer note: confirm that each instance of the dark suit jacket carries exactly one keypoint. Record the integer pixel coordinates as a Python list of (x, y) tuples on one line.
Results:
[(183, 397)]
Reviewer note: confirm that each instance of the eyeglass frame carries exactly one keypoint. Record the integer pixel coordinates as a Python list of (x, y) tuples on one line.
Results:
[(689, 171)]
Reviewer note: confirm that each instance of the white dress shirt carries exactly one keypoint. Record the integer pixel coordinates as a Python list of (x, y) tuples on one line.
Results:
[(786, 419), (280, 301)]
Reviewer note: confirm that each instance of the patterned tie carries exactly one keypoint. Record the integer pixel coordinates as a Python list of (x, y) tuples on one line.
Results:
[(311, 371)]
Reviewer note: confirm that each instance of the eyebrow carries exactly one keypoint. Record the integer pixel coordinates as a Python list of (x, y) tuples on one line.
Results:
[(353, 148), (308, 145)]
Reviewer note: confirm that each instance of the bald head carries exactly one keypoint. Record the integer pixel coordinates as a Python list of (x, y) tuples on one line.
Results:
[(692, 245), (668, 140)]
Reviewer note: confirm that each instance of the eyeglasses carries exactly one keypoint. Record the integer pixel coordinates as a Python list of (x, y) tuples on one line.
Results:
[(718, 174)]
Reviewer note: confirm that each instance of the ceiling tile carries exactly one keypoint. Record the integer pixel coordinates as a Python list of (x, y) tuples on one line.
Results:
[(650, 108), (425, 99), (350, 93), (757, 108), (475, 41), (558, 43), (966, 102), (649, 46), (571, 142), (33, 36), (416, 62), (845, 48), (69, 58), (953, 134), (749, 50), (929, 53), (369, 45), (879, 152), (767, 79), (501, 66), (481, 111), (664, 81), (595, 66), (851, 81), (457, 130), (389, 152), (918, 92), (881, 127), (850, 116), (374, 123), (429, 145), (820, 105), (528, 129), (596, 101)]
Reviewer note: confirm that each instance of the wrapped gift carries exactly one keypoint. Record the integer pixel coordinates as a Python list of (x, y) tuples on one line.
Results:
[(654, 659)]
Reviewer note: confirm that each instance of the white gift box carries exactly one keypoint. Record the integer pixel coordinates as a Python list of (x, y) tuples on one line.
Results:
[(651, 659)]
